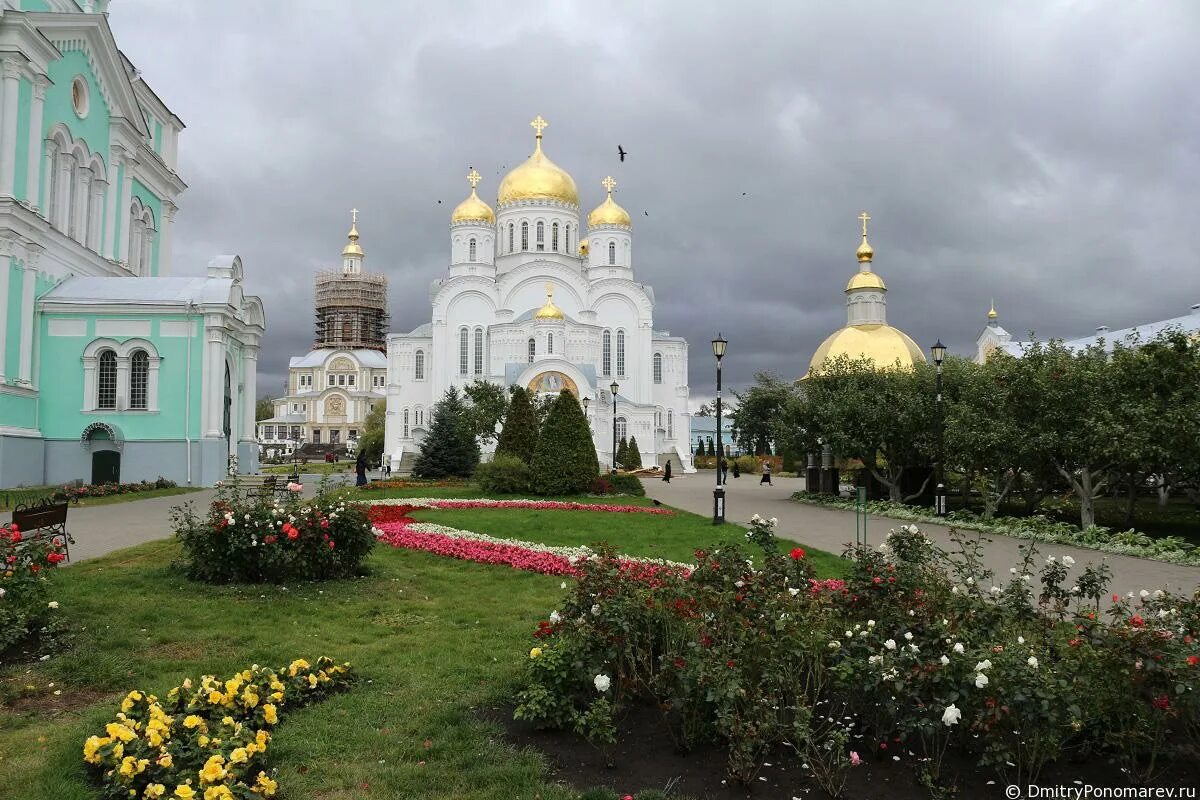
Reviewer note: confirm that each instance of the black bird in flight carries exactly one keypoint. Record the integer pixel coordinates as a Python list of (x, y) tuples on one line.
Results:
[(621, 153)]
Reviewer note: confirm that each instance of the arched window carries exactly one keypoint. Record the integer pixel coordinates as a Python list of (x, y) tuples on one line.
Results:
[(524, 236), (622, 427), (419, 366), (541, 236), (612, 252), (420, 417), (106, 381), (554, 237), (532, 350), (670, 424), (550, 343), (139, 379), (463, 351), (479, 351), (510, 237), (471, 249), (658, 418), (620, 354), (606, 354), (568, 239), (658, 367), (406, 423), (603, 398)]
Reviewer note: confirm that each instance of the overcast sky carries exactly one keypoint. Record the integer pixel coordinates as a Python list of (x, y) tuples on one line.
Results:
[(1043, 153)]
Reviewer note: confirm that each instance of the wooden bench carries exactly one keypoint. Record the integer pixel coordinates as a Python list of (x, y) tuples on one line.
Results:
[(44, 520)]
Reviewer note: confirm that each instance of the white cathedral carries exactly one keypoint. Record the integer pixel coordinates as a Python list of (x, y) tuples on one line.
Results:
[(531, 299)]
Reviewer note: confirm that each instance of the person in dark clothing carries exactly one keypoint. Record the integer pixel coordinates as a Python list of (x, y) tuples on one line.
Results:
[(766, 474), (360, 470), (667, 472), (737, 473)]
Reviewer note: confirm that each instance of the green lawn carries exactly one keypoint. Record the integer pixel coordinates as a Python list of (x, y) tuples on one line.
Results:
[(311, 468), (431, 637)]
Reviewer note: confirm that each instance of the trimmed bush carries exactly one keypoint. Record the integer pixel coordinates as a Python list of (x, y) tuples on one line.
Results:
[(747, 465), (633, 456), (518, 437), (450, 449), (565, 459), (627, 484), (504, 474)]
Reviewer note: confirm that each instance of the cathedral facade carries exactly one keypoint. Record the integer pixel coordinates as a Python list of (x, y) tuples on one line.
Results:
[(531, 298)]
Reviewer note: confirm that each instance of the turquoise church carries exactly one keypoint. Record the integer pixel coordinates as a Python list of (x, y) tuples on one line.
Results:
[(110, 368)]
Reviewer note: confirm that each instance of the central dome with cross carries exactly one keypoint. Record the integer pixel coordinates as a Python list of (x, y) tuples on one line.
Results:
[(538, 178)]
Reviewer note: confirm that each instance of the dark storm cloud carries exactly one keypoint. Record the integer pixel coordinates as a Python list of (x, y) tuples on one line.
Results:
[(1045, 154)]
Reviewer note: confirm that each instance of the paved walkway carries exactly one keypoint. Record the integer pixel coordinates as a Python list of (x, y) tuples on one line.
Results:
[(831, 529)]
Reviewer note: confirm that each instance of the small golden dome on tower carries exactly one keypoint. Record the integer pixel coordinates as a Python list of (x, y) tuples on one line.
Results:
[(865, 280), (608, 212), (865, 252), (992, 311), (549, 311), (583, 248), (352, 247), (473, 209), (538, 178)]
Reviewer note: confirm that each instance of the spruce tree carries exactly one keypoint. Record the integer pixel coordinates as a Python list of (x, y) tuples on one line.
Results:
[(712, 450), (699, 447), (622, 451), (564, 461), (519, 435), (633, 457), (450, 448)]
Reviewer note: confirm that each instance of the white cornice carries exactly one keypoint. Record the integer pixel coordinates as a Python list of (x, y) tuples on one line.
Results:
[(20, 35)]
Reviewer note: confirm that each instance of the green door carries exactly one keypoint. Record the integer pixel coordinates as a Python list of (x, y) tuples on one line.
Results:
[(106, 466)]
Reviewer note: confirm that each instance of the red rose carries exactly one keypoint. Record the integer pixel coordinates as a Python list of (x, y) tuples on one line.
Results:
[(1137, 621), (55, 558), (324, 523), (729, 663), (16, 535), (797, 553), (291, 532), (270, 538), (877, 580), (1193, 660), (1162, 702), (331, 545)]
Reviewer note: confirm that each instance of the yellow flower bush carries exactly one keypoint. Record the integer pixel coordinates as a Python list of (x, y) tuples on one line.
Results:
[(209, 739)]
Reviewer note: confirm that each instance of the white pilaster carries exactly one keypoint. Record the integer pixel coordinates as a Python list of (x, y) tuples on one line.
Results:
[(122, 248), (28, 333), (249, 390), (152, 383), (7, 247), (48, 177), (33, 177), (79, 205), (95, 224), (111, 243), (214, 378), (64, 192), (10, 71), (122, 384)]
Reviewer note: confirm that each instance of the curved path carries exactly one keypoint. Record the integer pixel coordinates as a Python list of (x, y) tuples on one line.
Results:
[(831, 529)]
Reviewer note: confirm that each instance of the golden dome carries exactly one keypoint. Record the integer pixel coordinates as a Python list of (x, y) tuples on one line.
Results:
[(538, 178), (883, 344), (865, 280), (608, 212), (992, 311), (473, 209), (549, 311), (352, 247), (583, 247), (865, 252)]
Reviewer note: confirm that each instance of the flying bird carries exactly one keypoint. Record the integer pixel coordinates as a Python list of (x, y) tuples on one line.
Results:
[(621, 153), (647, 213)]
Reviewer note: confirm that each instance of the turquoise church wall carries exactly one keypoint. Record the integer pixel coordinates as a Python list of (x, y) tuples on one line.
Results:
[(35, 5), (18, 411), (21, 173), (151, 201), (94, 128)]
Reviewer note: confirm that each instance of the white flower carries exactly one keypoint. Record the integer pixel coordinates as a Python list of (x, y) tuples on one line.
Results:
[(52, 604), (3, 592), (1159, 594), (914, 648), (1075, 589), (982, 665), (596, 610), (908, 636), (1020, 640), (1033, 662), (756, 518), (602, 683), (562, 585), (890, 675), (874, 659), (1012, 570), (981, 681), (1027, 577), (996, 590), (849, 634), (954, 589), (945, 660), (1143, 594), (958, 648), (555, 617), (774, 521), (739, 584), (951, 716), (890, 644), (870, 623), (912, 612), (835, 645), (970, 581), (1068, 561), (793, 592)]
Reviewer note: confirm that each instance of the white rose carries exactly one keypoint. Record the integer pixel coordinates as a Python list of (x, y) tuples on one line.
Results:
[(835, 645), (596, 610), (982, 665), (945, 660), (890, 644), (1033, 662), (602, 683), (1050, 560), (555, 617), (793, 592), (849, 634), (870, 623), (1020, 640), (952, 715), (52, 604), (1070, 562), (774, 521), (914, 648), (958, 648), (908, 636), (1143, 594), (981, 681)]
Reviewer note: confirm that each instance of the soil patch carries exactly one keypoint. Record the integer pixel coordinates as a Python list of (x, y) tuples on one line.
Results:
[(48, 704), (645, 758)]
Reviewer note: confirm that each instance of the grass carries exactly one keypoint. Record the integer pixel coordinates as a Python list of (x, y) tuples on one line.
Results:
[(122, 498), (431, 638), (311, 468)]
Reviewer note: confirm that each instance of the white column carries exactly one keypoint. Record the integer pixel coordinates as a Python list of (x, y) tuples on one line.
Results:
[(95, 223), (27, 331), (33, 177), (7, 246), (152, 383), (249, 390), (47, 176), (79, 204), (214, 379), (111, 243), (122, 383), (64, 192), (11, 71), (122, 248), (164, 238)]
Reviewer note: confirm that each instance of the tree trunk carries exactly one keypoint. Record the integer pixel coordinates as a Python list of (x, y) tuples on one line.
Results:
[(1085, 488), (893, 486), (1164, 491)]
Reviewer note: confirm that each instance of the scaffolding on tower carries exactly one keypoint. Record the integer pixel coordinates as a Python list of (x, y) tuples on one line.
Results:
[(351, 310)]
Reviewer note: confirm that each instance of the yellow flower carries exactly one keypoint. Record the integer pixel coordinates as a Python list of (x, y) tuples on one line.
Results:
[(215, 697), (184, 792), (91, 748), (213, 770), (233, 684), (131, 766), (218, 793), (296, 666), (165, 760), (261, 738), (312, 681), (277, 697), (118, 731), (264, 785), (194, 721), (130, 699), (535, 652), (269, 713), (238, 756), (249, 698), (155, 790)]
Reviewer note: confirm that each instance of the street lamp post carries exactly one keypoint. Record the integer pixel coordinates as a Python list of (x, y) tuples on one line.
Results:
[(938, 351), (718, 345), (295, 476), (614, 387)]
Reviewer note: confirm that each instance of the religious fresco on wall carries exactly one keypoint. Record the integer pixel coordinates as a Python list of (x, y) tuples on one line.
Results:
[(552, 383)]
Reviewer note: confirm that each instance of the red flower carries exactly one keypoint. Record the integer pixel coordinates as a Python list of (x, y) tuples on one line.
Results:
[(55, 558), (1137, 621), (270, 538), (1162, 702), (324, 523), (681, 663), (1116, 598), (877, 580), (16, 534), (729, 663), (291, 532), (331, 545), (883, 745), (797, 553), (1193, 660)]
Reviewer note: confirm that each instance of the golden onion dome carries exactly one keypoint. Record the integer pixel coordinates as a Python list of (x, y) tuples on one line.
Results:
[(352, 247), (992, 311), (608, 212), (549, 311), (538, 178), (583, 247), (884, 345), (865, 280), (473, 209), (865, 252)]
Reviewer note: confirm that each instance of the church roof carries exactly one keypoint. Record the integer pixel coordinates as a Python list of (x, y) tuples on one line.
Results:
[(83, 290), (421, 330), (371, 359), (1188, 323)]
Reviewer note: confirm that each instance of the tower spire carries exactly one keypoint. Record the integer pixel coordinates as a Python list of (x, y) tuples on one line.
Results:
[(352, 253), (992, 315), (865, 252)]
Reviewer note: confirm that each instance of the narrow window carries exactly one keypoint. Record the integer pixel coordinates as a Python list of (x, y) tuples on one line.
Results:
[(419, 366), (554, 237), (139, 379), (541, 236), (612, 252), (606, 352), (420, 415), (316, 435), (550, 343), (106, 385), (341, 380), (658, 367), (621, 354), (268, 431), (524, 236), (406, 423), (471, 245), (350, 380), (568, 240), (532, 350), (463, 354), (622, 427), (670, 424), (510, 237), (332, 380), (479, 351)]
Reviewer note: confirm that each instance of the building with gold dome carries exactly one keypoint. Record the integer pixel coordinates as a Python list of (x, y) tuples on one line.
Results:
[(532, 297), (867, 333)]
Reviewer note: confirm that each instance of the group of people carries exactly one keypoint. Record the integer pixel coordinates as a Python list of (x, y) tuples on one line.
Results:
[(724, 467)]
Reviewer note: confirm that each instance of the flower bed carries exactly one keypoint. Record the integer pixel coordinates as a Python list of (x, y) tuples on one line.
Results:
[(1172, 549), (264, 539), (207, 740), (907, 659), (76, 493), (412, 483), (25, 570), (530, 505)]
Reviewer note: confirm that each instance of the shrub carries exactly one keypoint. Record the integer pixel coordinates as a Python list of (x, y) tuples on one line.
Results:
[(504, 474), (26, 566), (450, 448), (518, 437), (633, 456), (747, 465), (265, 540), (74, 494), (602, 485), (565, 459), (627, 484)]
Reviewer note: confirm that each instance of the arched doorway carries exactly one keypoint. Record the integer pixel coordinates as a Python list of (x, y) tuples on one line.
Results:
[(104, 443)]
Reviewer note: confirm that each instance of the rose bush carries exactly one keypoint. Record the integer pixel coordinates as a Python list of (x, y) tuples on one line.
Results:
[(76, 493), (26, 570), (916, 653), (265, 539)]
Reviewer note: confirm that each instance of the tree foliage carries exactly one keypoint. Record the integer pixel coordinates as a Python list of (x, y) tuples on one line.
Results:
[(370, 439), (633, 456), (564, 461), (486, 403), (264, 408), (519, 436), (757, 410), (450, 448)]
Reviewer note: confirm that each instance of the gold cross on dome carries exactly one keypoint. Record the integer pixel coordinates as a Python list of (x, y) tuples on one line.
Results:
[(549, 292), (865, 217), (354, 216), (474, 178), (539, 125), (608, 183)]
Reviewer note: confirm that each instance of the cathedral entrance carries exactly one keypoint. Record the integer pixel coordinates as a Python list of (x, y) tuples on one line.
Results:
[(106, 466)]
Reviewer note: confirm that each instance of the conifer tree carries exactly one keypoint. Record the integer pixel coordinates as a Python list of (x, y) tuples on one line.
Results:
[(712, 450), (519, 435), (450, 449), (564, 461), (622, 451), (633, 457)]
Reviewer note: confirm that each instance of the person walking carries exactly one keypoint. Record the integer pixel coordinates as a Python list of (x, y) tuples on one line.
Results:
[(360, 470), (737, 472), (667, 472), (766, 474)]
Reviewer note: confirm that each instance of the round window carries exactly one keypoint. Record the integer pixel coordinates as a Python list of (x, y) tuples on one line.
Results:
[(79, 96)]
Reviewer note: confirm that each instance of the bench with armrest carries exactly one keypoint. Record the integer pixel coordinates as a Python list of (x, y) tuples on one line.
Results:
[(44, 520)]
